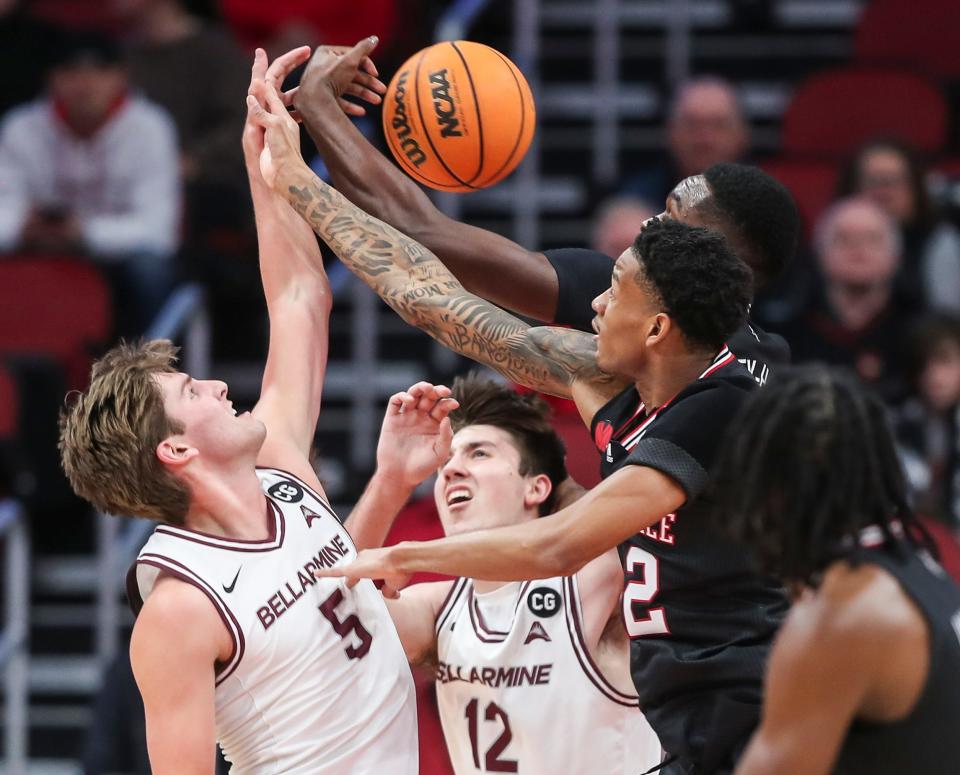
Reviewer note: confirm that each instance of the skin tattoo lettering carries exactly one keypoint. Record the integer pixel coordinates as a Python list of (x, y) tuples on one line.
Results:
[(425, 294)]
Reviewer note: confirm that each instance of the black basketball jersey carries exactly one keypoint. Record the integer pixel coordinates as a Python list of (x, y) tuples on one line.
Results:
[(582, 275), (700, 617), (928, 739)]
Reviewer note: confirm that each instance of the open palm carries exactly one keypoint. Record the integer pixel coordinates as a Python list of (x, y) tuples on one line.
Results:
[(416, 434)]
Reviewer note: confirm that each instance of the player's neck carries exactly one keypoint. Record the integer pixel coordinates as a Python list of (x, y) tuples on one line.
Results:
[(227, 503), (666, 375), (483, 587)]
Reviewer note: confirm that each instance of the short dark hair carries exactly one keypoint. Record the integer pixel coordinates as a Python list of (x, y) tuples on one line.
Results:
[(702, 285), (814, 462), (526, 417), (757, 215), (926, 338), (848, 178), (85, 47)]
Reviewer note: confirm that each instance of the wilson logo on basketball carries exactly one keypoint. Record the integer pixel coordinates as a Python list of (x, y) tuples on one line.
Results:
[(458, 116), (443, 105), (401, 124)]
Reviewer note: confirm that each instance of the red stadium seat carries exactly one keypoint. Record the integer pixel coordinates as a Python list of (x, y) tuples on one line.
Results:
[(949, 167), (811, 182), (9, 405), (903, 32), (55, 306), (834, 112)]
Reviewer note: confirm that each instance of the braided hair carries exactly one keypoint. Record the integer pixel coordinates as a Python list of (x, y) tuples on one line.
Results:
[(814, 462)]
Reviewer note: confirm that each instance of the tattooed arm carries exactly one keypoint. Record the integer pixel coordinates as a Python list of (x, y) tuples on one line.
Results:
[(421, 289)]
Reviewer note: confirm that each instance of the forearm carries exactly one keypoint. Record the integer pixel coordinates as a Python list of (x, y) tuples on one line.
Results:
[(413, 281), (373, 516), (486, 263), (364, 175), (532, 550), (557, 545), (290, 259)]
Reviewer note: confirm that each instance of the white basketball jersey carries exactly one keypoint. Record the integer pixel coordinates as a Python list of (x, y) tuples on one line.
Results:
[(318, 681), (518, 690)]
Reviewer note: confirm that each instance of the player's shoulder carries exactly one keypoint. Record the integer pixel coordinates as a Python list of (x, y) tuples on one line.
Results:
[(860, 601), (751, 342), (174, 604), (721, 389), (853, 615)]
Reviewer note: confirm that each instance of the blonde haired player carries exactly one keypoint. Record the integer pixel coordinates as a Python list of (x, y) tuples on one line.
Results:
[(236, 639), (531, 677)]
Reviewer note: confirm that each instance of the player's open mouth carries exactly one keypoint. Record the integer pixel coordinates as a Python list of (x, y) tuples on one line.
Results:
[(458, 496)]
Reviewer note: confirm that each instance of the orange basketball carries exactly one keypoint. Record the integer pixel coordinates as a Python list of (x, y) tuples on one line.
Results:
[(458, 116)]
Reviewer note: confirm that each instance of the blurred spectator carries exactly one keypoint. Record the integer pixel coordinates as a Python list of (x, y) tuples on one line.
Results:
[(89, 169), (280, 25), (197, 72), (853, 317), (928, 423), (26, 48), (617, 223), (705, 126), (889, 172)]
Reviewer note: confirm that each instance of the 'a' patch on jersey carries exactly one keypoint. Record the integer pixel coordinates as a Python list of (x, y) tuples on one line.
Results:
[(309, 514), (536, 633)]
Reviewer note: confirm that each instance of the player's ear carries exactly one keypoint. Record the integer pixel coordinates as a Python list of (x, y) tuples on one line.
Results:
[(174, 451), (538, 490), (660, 326)]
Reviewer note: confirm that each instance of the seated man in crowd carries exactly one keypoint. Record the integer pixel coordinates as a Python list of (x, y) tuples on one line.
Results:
[(855, 319), (91, 169)]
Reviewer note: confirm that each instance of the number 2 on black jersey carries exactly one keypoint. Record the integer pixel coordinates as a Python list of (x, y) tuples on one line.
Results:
[(640, 561)]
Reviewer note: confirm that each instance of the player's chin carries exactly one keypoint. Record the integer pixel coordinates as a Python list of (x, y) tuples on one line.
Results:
[(604, 362)]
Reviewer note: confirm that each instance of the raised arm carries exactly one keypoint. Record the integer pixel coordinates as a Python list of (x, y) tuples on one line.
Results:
[(486, 263), (414, 282), (298, 303), (414, 443)]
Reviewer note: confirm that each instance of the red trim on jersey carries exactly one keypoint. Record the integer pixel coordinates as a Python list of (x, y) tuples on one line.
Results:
[(316, 495), (298, 480), (723, 358), (446, 607), (274, 540), (582, 650), (483, 632), (177, 569)]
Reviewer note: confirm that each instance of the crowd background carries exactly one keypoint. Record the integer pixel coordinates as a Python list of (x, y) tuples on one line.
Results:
[(124, 212)]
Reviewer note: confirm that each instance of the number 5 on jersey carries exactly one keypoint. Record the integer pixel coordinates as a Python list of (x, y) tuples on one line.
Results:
[(344, 627), (646, 566)]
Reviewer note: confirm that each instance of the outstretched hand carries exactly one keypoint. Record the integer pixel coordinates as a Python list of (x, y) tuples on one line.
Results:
[(416, 434), (370, 564), (274, 74), (281, 135), (337, 71)]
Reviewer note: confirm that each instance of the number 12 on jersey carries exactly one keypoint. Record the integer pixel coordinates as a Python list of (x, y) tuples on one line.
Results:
[(646, 565), (491, 760)]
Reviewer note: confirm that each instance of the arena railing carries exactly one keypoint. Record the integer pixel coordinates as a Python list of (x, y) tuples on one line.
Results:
[(14, 656), (183, 318)]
